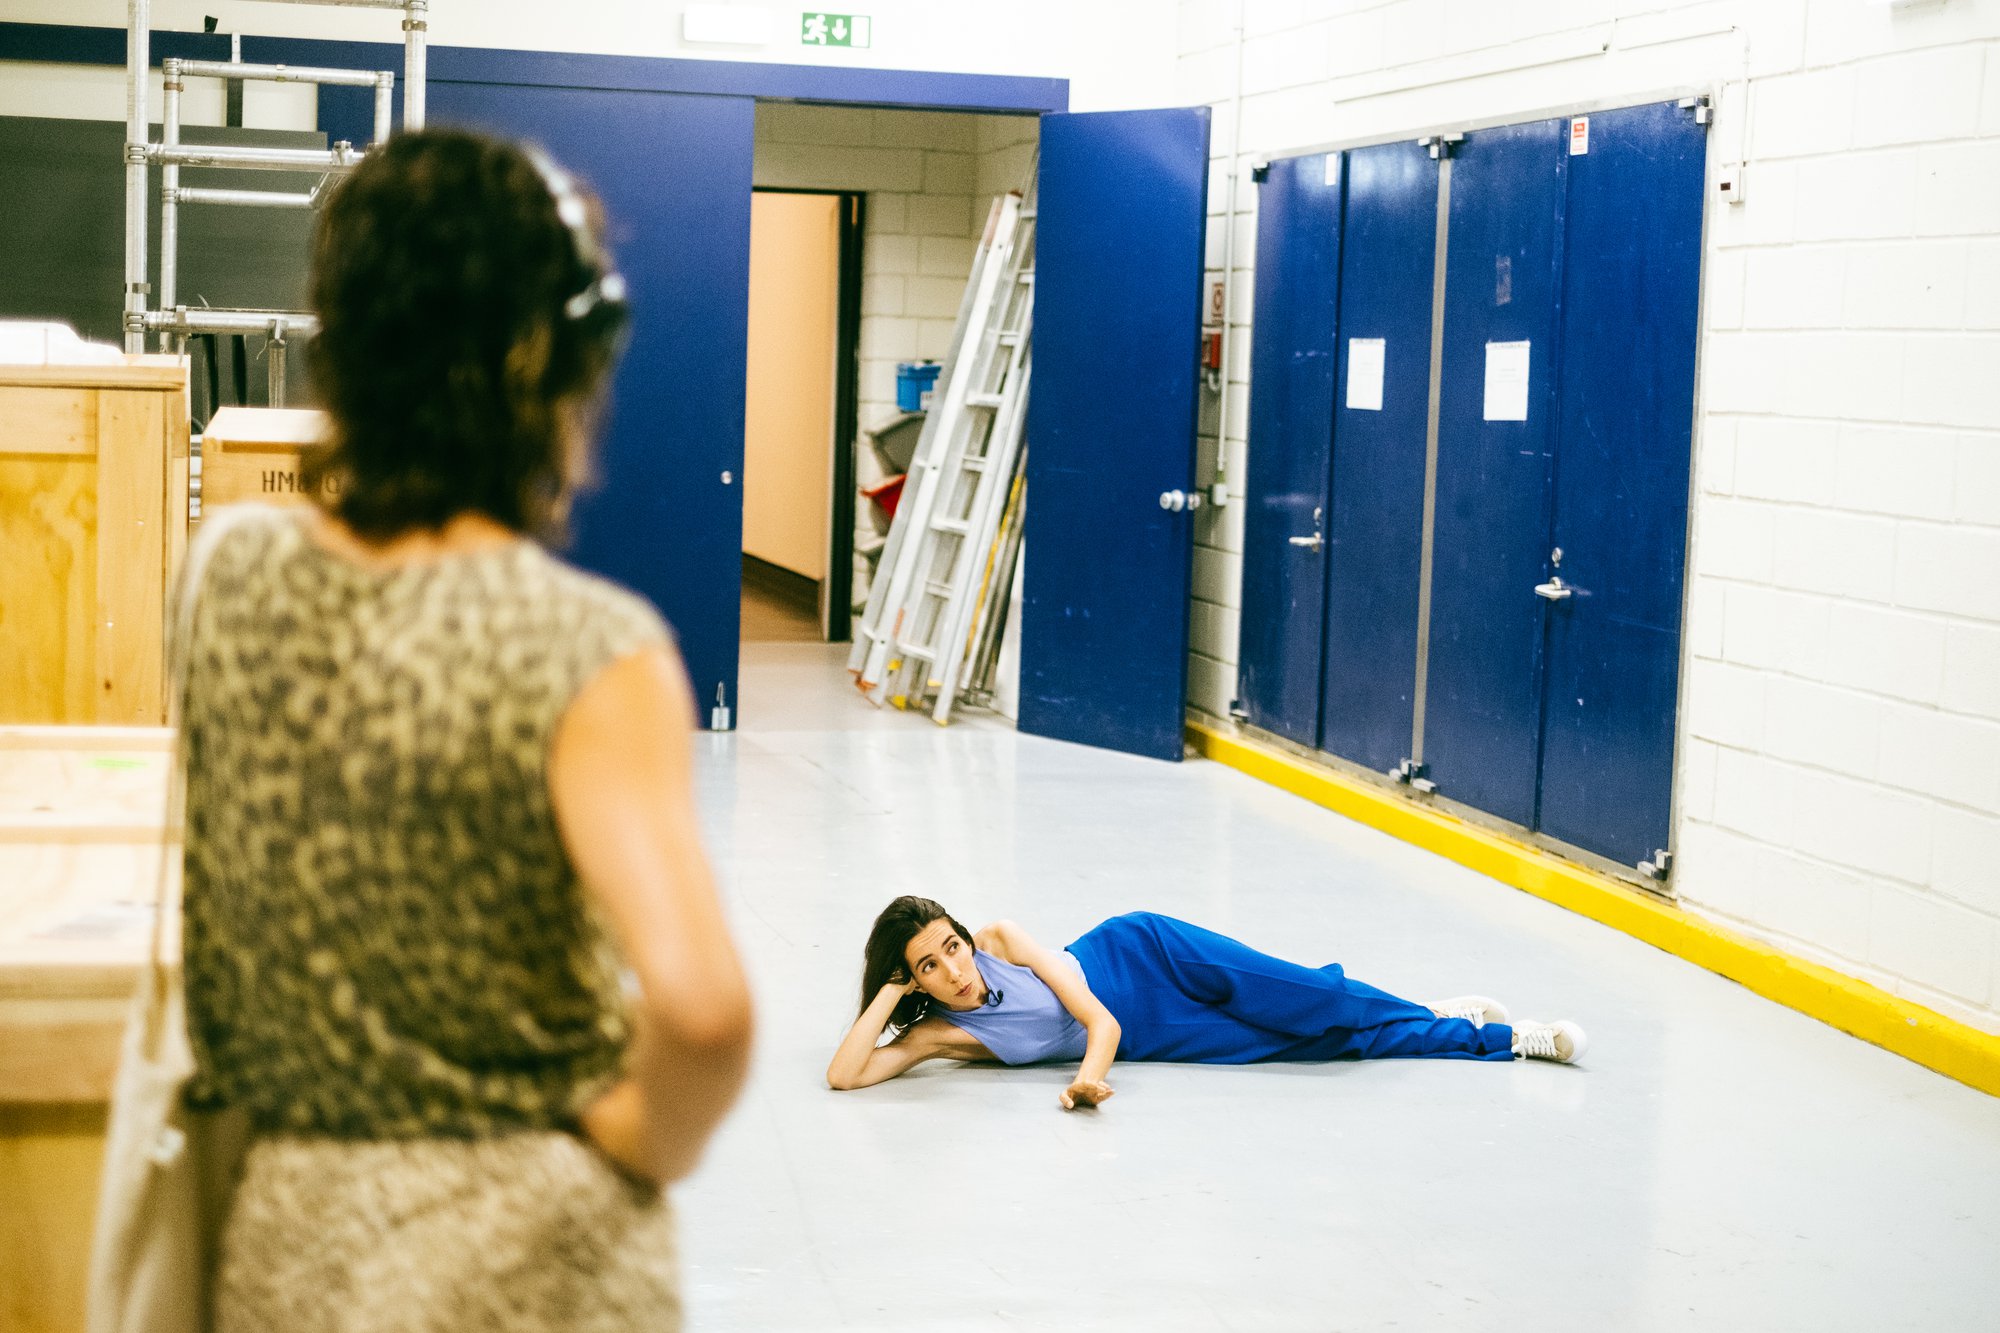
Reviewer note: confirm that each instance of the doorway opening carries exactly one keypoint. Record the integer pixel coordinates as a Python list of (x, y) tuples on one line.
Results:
[(910, 190)]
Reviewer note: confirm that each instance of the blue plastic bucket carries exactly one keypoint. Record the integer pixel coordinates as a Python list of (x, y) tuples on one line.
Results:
[(914, 382)]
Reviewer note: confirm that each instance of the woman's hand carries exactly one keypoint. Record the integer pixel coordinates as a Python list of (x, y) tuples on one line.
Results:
[(860, 1063), (1085, 1092), (615, 1125)]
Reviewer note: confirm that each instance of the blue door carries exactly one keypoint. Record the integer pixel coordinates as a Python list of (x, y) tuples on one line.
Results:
[(1496, 435), (1291, 428), (1111, 424), (1630, 287), (1381, 414), (673, 169)]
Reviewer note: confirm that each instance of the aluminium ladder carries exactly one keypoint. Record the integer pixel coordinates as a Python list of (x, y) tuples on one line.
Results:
[(934, 519), (973, 474), (867, 630)]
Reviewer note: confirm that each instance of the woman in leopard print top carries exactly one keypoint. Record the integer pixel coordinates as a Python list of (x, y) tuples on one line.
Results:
[(438, 794)]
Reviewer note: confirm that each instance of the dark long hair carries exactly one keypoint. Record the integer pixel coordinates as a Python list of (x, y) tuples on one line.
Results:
[(455, 377), (883, 961)]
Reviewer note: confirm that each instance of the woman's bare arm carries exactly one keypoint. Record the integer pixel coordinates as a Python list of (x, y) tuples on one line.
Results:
[(621, 779), (860, 1063), (1008, 941)]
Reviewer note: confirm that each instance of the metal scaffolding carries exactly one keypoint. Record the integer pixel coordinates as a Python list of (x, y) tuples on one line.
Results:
[(174, 322)]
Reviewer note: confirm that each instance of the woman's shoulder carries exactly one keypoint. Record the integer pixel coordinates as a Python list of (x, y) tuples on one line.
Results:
[(1000, 939), (597, 611), (249, 524)]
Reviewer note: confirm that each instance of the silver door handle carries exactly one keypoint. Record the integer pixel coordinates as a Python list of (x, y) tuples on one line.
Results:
[(1312, 543), (1555, 589), (1174, 501)]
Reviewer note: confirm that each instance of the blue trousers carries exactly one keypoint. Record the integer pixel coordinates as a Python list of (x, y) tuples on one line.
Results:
[(1186, 994)]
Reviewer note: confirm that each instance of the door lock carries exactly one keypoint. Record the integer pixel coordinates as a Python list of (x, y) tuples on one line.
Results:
[(1555, 589)]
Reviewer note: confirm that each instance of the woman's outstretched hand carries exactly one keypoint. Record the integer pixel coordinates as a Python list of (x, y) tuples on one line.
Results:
[(1085, 1092)]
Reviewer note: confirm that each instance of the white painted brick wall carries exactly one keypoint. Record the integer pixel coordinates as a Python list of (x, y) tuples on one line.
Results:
[(1839, 784)]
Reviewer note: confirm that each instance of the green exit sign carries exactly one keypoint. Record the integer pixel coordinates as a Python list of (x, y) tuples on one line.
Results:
[(834, 29)]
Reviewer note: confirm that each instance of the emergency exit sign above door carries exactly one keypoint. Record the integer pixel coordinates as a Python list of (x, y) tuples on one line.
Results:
[(835, 29)]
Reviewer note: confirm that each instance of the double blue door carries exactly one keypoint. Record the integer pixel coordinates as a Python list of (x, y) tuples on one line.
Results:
[(1523, 655)]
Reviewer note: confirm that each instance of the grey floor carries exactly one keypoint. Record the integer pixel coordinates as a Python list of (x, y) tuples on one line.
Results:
[(769, 619), (1716, 1162)]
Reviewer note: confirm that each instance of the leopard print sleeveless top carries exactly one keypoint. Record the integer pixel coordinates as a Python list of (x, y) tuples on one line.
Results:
[(382, 933)]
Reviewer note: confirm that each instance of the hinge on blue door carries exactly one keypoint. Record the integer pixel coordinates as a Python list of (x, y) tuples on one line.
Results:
[(1412, 773), (1659, 867), (1704, 110), (1441, 145), (1259, 170)]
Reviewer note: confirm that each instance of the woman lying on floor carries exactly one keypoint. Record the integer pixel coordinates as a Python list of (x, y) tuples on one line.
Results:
[(1139, 987)]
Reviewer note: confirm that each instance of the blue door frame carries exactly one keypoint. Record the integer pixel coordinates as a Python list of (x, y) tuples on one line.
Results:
[(1111, 425), (1293, 353), (662, 519), (1490, 545), (1631, 288), (666, 518), (1376, 508)]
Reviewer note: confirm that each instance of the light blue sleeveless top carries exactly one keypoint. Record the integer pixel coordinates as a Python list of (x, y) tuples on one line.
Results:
[(1027, 1024)]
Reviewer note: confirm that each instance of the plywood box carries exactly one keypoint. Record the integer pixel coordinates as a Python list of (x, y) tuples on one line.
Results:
[(81, 811), (253, 453), (93, 520)]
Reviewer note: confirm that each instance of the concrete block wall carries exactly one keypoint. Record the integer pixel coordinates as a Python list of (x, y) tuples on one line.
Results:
[(1839, 791), (925, 176)]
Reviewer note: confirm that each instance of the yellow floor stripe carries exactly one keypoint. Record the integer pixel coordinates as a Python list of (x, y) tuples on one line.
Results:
[(1954, 1049)]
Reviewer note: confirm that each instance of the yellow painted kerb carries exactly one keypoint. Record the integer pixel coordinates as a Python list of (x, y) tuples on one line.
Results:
[(1951, 1048)]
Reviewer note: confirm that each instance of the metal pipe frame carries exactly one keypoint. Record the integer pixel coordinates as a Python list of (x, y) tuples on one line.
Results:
[(170, 180), (343, 156), (173, 322), (385, 105), (416, 29), (241, 198), (231, 69), (274, 366), (138, 131), (182, 320)]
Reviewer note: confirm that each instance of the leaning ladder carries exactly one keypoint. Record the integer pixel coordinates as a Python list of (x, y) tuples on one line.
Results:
[(956, 432), (868, 629), (976, 476)]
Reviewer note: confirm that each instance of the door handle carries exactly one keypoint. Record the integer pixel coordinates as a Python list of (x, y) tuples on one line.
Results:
[(1173, 501), (1312, 543), (1555, 589)]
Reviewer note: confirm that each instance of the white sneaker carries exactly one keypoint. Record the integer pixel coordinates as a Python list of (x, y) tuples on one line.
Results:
[(1474, 1009), (1563, 1041)]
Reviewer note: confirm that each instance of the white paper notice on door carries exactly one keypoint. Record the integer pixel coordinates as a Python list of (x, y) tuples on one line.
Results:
[(1507, 381), (1365, 358)]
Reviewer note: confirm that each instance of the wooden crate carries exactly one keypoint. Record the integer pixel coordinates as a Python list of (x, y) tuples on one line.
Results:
[(93, 519), (252, 453), (80, 817)]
